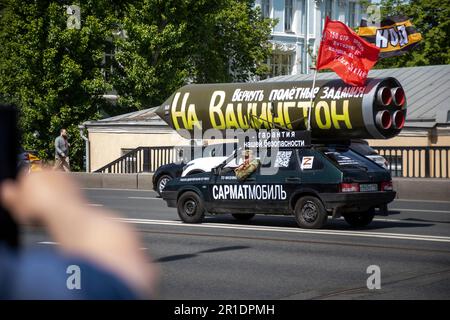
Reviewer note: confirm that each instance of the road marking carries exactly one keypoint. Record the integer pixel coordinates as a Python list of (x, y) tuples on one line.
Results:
[(95, 205), (146, 198), (151, 190), (416, 200), (291, 230), (419, 210), (57, 244), (392, 220), (409, 221), (48, 242), (117, 189)]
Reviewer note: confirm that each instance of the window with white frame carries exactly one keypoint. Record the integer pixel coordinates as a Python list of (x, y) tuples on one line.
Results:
[(352, 14), (288, 15), (265, 8), (108, 65), (302, 7), (281, 64), (329, 9)]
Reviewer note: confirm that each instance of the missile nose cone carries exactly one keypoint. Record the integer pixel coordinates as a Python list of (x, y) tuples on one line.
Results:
[(160, 111), (163, 111)]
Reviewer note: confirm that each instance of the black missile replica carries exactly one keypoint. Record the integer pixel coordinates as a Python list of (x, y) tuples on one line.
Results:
[(339, 111)]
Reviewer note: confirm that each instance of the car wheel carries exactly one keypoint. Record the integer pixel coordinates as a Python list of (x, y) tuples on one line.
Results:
[(160, 185), (243, 216), (359, 219), (190, 207), (310, 213)]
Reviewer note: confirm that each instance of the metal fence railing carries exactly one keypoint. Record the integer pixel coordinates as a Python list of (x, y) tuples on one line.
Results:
[(413, 162), (142, 159), (148, 159), (417, 162)]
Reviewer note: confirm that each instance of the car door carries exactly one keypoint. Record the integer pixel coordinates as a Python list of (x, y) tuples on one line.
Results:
[(229, 195), (278, 178)]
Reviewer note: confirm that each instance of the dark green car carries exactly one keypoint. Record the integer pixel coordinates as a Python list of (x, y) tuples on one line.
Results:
[(310, 183)]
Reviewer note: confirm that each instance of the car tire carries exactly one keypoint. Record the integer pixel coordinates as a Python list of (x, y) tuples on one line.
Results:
[(243, 216), (190, 207), (162, 181), (359, 219), (310, 213)]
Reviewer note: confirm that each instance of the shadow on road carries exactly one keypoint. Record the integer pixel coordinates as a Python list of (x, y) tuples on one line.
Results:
[(195, 254), (333, 224)]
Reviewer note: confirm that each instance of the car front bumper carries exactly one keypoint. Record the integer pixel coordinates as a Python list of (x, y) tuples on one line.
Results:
[(170, 197)]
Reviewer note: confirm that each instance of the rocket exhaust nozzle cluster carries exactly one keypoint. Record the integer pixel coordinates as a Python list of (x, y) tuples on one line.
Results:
[(395, 99)]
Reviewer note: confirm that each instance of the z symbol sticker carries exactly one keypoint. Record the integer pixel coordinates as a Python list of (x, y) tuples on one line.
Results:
[(307, 162)]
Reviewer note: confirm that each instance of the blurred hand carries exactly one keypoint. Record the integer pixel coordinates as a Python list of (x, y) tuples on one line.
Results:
[(37, 195), (55, 200)]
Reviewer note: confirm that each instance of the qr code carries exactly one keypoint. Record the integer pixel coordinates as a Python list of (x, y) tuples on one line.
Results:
[(282, 159)]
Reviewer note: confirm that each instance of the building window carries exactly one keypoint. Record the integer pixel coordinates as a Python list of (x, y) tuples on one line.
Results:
[(288, 15), (302, 7), (281, 64), (329, 9), (352, 14), (265, 8), (108, 61)]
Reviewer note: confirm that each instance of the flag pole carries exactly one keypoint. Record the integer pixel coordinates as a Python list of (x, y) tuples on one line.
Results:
[(314, 77), (311, 100)]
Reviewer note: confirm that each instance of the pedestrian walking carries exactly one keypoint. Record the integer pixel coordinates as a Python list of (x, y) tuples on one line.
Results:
[(62, 152)]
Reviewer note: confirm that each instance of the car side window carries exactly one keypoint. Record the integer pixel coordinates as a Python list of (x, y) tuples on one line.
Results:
[(282, 159)]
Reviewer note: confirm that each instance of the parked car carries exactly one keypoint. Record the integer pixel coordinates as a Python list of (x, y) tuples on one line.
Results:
[(362, 147), (201, 165), (29, 161), (212, 153)]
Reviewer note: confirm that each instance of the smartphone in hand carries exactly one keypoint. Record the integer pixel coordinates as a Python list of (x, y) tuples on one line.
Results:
[(9, 151)]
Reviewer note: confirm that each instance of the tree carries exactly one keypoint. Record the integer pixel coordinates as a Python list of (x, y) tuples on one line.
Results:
[(54, 74), (169, 43), (58, 76), (430, 17)]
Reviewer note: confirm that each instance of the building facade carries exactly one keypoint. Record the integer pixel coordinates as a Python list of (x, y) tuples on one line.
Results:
[(296, 36)]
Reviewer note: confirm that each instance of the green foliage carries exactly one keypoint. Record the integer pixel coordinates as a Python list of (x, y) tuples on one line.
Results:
[(430, 17), (58, 76)]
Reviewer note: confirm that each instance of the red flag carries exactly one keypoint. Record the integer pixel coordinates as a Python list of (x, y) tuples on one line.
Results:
[(347, 54)]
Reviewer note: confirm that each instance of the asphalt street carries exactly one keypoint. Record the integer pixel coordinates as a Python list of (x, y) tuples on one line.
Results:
[(269, 257)]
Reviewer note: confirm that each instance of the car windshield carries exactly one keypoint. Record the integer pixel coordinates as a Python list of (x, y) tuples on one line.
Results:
[(346, 158), (231, 157), (219, 150)]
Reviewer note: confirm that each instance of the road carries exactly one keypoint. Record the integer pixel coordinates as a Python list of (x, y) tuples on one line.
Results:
[(271, 258)]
